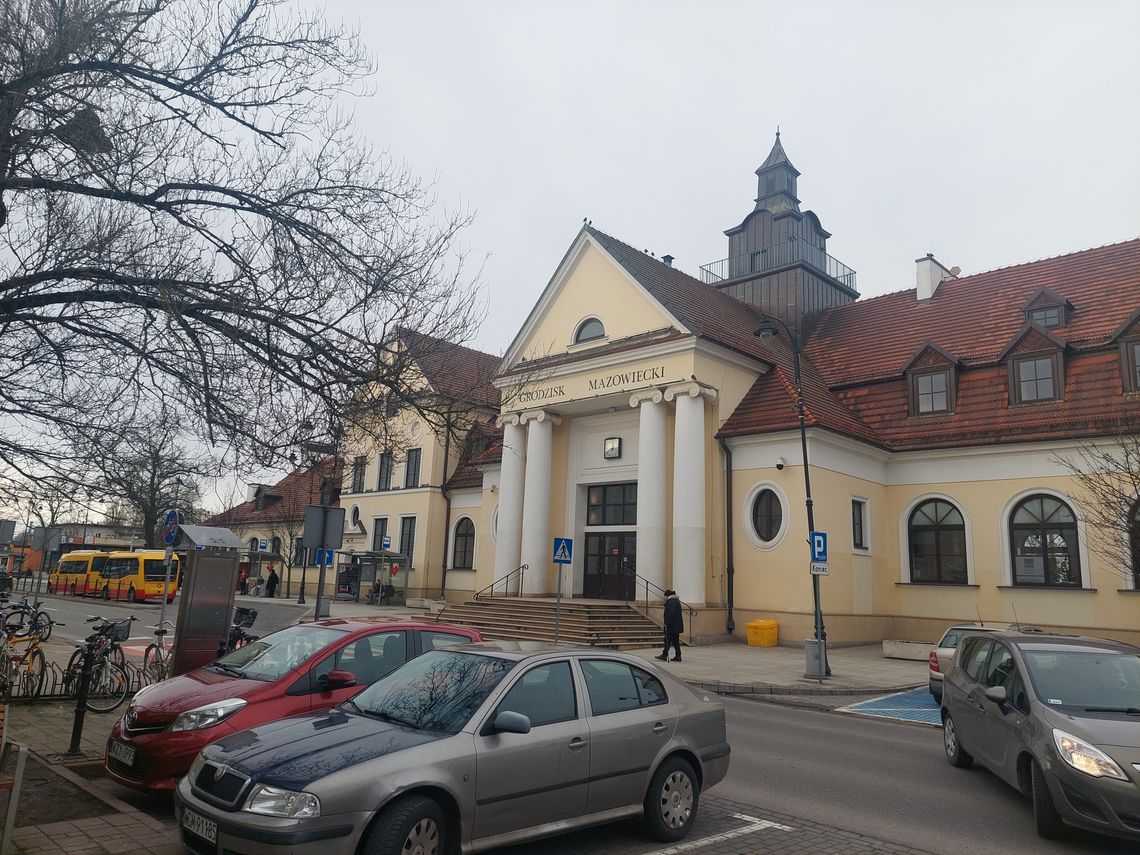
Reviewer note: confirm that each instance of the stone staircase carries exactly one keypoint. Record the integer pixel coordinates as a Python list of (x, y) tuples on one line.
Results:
[(599, 622)]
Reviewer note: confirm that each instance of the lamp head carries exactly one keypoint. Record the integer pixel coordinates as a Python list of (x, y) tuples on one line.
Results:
[(766, 330)]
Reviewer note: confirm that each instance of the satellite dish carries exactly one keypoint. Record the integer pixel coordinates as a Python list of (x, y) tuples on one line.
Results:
[(955, 270)]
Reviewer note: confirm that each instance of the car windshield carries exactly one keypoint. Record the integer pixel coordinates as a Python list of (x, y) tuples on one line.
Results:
[(439, 691), (272, 657), (1085, 678)]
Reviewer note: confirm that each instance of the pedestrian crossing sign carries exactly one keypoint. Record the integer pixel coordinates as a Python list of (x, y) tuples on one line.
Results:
[(563, 550)]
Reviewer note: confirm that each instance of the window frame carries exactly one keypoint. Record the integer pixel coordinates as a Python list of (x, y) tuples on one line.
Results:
[(468, 539), (385, 464), (584, 660), (580, 338), (1130, 364), (410, 538), (518, 682), (1134, 543), (359, 470), (746, 515), (379, 532), (914, 395), (779, 522), (937, 528), (1030, 315), (627, 508), (411, 454), (859, 538), (1058, 377), (1074, 551)]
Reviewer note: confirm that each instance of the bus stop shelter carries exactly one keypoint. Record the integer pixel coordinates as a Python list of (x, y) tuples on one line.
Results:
[(357, 572)]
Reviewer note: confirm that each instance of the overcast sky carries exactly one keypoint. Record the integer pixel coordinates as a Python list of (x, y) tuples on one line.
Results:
[(987, 133)]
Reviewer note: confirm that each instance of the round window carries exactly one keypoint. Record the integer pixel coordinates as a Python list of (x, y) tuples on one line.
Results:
[(767, 515)]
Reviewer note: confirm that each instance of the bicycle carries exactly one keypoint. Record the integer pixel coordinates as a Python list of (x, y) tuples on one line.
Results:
[(23, 672), (243, 620), (17, 614), (109, 680), (157, 656)]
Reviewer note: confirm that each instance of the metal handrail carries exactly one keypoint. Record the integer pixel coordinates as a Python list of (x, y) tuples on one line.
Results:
[(657, 589), (780, 254), (489, 591)]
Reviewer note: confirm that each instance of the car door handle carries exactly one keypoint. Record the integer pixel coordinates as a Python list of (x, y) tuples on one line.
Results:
[(659, 727), (577, 743)]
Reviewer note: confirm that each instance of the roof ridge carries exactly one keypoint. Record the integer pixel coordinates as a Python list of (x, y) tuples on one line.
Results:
[(1044, 259)]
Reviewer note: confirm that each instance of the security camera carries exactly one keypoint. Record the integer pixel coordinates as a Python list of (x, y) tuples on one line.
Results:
[(780, 463)]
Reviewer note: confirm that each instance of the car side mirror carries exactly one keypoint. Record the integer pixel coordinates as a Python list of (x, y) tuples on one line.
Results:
[(511, 722), (336, 680), (997, 694)]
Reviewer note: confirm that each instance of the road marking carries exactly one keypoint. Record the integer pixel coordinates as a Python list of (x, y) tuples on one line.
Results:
[(754, 825)]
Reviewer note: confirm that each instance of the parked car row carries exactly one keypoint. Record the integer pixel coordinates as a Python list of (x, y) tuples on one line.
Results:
[(1057, 717), (135, 577), (400, 736)]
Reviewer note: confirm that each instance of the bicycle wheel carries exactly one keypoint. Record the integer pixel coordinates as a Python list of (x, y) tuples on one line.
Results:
[(71, 673), (108, 688), (154, 664), (42, 625), (32, 677), (117, 656), (14, 621)]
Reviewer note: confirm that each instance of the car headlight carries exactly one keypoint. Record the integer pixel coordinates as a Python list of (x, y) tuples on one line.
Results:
[(274, 802), (208, 715), (1086, 758)]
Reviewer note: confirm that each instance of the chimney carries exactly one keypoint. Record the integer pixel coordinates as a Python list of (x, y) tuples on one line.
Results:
[(929, 275), (668, 259)]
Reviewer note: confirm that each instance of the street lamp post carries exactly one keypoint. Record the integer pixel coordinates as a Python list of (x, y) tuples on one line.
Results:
[(769, 328)]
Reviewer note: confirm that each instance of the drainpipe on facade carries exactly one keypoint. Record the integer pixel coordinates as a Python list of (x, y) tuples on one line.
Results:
[(729, 624), (446, 499)]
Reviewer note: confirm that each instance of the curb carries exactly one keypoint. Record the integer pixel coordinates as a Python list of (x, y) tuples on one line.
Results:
[(808, 691)]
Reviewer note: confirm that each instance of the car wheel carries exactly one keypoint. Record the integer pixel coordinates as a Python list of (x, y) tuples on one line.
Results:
[(955, 753), (1045, 815), (411, 824), (672, 800)]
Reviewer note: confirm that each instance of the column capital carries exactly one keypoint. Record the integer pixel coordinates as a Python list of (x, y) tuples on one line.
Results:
[(508, 419), (539, 416), (690, 389), (646, 396)]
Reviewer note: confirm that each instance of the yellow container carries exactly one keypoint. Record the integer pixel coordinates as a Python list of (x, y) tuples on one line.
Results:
[(762, 633)]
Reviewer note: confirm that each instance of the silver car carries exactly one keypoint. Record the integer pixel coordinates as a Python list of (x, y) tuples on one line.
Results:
[(462, 750), (1055, 716)]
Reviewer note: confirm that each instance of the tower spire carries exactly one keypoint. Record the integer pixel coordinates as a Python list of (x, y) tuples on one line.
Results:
[(776, 176)]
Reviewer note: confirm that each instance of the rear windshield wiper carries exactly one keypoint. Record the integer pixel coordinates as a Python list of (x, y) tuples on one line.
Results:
[(1125, 710)]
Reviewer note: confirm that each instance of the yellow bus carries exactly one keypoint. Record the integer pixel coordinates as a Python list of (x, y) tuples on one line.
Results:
[(136, 577), (74, 569)]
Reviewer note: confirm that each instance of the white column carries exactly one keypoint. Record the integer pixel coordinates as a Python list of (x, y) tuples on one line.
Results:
[(690, 558), (651, 487), (536, 543), (508, 539)]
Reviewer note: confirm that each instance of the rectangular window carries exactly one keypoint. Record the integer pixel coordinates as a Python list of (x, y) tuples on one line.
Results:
[(1049, 316), (407, 537), (612, 504), (932, 392), (859, 523), (1130, 369), (298, 552), (412, 468), (358, 465), (384, 471), (1136, 366), (1035, 379), (379, 532)]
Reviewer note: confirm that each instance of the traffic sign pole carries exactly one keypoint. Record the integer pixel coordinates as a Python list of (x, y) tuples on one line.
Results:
[(169, 535), (563, 554)]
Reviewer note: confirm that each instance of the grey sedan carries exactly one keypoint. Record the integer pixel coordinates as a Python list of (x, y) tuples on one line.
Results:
[(1057, 717), (462, 750)]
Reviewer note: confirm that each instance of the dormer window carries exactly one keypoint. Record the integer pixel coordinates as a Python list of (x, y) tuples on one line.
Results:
[(1036, 378), (1048, 316), (590, 329), (930, 392), (1131, 353)]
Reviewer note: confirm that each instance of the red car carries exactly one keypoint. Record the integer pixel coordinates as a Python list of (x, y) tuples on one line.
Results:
[(302, 668)]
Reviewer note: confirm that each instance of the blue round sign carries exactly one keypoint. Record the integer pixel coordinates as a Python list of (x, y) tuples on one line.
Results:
[(170, 526)]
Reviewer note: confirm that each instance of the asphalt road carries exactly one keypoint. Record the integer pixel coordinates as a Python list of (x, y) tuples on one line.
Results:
[(888, 780)]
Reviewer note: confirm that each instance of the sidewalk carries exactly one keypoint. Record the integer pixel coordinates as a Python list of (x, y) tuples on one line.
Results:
[(73, 809)]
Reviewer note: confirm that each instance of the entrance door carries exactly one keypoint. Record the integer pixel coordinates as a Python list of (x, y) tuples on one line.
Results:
[(611, 565)]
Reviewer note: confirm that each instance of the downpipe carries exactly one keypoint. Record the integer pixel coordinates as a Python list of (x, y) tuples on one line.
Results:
[(730, 622)]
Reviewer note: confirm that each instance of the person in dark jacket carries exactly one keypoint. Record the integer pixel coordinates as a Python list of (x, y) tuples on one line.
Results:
[(674, 626), (271, 583)]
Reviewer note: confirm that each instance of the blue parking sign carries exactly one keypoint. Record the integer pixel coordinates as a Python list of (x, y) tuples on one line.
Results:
[(819, 546)]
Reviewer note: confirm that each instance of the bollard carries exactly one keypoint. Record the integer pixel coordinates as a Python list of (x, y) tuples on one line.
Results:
[(81, 698)]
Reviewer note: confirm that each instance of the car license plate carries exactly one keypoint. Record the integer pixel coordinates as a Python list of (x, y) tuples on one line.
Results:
[(123, 753), (199, 825)]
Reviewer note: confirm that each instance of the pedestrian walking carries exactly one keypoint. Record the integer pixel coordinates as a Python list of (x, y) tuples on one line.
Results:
[(243, 581), (271, 583), (674, 626)]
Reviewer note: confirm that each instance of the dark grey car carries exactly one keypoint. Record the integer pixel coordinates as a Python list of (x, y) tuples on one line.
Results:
[(1057, 717), (461, 750)]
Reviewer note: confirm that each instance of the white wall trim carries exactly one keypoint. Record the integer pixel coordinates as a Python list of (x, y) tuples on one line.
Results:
[(904, 534), (1082, 535), (746, 515), (495, 524)]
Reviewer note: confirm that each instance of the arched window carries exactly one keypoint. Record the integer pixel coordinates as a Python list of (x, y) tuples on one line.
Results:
[(277, 546), (463, 550), (253, 545), (1043, 543), (1134, 531), (936, 538), (588, 330), (767, 515)]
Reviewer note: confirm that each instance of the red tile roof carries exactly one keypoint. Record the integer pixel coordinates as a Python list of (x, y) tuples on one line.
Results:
[(975, 317), (284, 501), (456, 372)]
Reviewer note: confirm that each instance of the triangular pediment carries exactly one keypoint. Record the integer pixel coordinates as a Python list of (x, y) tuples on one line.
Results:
[(930, 355), (1032, 338), (588, 284), (1043, 298)]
